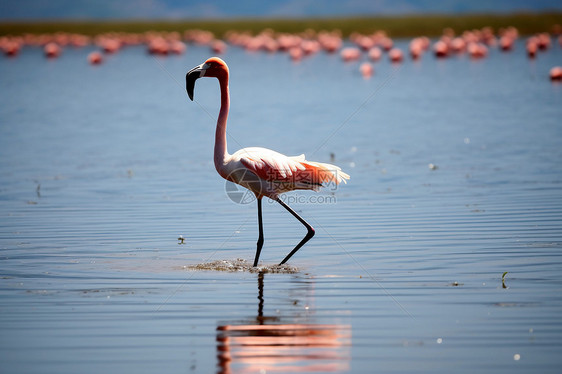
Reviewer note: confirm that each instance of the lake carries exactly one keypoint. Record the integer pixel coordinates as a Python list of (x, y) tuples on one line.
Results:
[(456, 178)]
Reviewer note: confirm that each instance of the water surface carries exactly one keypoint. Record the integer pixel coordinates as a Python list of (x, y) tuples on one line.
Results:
[(103, 168)]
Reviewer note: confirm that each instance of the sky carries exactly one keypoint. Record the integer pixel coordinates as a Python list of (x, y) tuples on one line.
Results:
[(198, 9)]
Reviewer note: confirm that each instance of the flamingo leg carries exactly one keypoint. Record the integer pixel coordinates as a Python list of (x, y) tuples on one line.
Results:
[(260, 237), (309, 234)]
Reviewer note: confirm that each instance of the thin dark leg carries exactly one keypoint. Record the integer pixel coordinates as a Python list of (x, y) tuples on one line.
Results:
[(309, 234), (260, 237), (260, 298)]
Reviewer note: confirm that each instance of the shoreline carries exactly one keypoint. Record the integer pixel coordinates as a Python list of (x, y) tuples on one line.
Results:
[(403, 26)]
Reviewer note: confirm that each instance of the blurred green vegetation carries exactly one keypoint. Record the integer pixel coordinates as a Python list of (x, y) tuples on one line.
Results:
[(395, 26)]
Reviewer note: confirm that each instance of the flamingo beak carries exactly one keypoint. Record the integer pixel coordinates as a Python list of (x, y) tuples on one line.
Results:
[(191, 76)]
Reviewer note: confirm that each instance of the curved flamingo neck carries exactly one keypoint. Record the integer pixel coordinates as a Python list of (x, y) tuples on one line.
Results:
[(221, 152)]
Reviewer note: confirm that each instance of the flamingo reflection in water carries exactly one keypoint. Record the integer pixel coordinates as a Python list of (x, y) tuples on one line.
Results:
[(265, 345)]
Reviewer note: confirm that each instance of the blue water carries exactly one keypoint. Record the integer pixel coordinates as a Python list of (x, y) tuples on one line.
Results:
[(102, 168)]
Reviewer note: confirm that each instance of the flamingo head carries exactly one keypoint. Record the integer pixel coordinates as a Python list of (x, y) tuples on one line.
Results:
[(213, 67)]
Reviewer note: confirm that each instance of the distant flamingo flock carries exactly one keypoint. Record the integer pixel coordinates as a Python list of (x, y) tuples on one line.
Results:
[(367, 47)]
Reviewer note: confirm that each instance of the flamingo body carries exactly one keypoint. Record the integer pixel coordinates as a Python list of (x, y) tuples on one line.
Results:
[(273, 173), (265, 172)]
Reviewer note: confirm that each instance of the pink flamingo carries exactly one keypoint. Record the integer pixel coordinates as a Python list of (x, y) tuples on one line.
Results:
[(52, 50), (366, 70), (395, 55), (556, 73), (260, 170), (95, 58)]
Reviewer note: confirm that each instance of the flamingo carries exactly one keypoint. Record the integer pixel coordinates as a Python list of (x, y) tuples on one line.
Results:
[(264, 172)]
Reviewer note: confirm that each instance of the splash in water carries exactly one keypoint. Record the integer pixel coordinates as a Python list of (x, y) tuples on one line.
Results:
[(242, 265)]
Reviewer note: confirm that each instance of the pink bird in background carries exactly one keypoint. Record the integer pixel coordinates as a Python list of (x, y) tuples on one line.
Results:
[(264, 172)]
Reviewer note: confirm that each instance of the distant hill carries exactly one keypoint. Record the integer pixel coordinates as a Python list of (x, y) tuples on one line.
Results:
[(212, 9)]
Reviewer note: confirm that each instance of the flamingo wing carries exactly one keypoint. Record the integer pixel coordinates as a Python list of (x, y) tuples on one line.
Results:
[(272, 166)]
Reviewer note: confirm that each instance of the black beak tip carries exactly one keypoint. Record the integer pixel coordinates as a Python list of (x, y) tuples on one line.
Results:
[(190, 79), (189, 88)]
